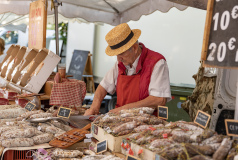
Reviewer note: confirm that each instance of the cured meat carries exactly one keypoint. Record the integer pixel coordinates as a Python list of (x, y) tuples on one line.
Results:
[(3, 107), (160, 142), (61, 153), (223, 150), (4, 101), (12, 113), (60, 125), (19, 133), (21, 102), (18, 142), (10, 95), (41, 115), (213, 139), (28, 114), (125, 126), (43, 138)]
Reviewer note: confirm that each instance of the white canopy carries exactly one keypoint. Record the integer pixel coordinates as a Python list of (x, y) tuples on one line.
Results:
[(111, 12)]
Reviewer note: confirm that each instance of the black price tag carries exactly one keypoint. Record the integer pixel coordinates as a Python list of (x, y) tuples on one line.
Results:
[(30, 106), (101, 146), (223, 40), (202, 119), (129, 157), (231, 127), (163, 112), (64, 112)]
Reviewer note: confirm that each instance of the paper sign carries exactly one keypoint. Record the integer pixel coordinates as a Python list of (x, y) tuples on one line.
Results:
[(30, 106), (202, 119), (101, 146), (64, 112), (163, 112)]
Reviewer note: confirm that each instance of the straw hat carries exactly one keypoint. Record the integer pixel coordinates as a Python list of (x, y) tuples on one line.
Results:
[(120, 39)]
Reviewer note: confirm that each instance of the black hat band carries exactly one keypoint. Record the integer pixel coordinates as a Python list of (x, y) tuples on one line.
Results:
[(122, 43)]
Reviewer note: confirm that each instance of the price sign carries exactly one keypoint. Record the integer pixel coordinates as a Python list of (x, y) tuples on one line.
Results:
[(231, 127), (202, 119), (64, 112), (163, 112), (37, 24), (129, 157), (222, 46), (101, 146), (30, 106)]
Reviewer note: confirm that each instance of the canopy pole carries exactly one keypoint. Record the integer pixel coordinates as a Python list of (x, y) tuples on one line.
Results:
[(56, 4)]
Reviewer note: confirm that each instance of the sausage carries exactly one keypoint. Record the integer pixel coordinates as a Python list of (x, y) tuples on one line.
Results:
[(18, 142), (19, 133), (41, 115), (43, 138), (61, 153)]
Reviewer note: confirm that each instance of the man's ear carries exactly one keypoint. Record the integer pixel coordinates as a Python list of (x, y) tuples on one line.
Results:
[(136, 47)]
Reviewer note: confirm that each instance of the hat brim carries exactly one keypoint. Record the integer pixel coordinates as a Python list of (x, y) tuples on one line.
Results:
[(114, 52)]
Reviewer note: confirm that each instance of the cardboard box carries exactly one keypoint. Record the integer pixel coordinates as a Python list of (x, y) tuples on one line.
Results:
[(11, 56), (28, 70), (114, 143)]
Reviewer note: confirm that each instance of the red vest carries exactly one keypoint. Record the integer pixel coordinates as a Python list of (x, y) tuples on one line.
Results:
[(136, 87)]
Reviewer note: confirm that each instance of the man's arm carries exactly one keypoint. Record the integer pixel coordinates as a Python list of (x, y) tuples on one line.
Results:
[(99, 95), (150, 101)]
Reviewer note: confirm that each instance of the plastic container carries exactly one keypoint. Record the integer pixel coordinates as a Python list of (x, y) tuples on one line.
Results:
[(18, 155)]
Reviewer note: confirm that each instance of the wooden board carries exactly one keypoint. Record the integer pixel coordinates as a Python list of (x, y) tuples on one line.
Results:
[(37, 25), (56, 142)]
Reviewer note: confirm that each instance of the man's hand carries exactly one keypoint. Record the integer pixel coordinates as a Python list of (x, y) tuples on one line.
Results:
[(90, 111), (116, 110)]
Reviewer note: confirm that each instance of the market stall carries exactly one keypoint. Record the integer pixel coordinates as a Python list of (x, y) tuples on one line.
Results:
[(55, 134)]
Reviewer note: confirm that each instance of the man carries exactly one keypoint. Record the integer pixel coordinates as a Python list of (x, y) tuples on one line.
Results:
[(140, 76)]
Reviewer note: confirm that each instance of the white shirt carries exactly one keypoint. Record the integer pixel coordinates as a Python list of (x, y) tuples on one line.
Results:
[(159, 83)]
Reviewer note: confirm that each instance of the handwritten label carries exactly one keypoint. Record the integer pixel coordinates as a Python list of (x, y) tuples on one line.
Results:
[(231, 127), (202, 119), (102, 146), (30, 106), (223, 46), (64, 112), (129, 157), (163, 112)]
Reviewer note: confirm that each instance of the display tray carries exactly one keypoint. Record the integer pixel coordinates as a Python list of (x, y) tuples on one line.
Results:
[(114, 143), (70, 137)]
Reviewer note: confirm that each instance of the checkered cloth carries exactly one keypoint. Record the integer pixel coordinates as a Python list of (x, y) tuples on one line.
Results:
[(69, 92)]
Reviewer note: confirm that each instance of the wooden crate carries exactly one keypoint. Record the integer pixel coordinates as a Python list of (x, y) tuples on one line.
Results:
[(136, 149), (114, 143)]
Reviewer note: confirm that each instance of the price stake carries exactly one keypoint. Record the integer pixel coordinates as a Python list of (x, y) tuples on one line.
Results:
[(129, 157), (223, 40), (202, 119), (101, 146), (163, 112), (64, 112), (231, 127), (30, 106)]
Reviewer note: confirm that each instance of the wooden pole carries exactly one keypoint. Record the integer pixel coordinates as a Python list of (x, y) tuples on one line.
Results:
[(207, 29)]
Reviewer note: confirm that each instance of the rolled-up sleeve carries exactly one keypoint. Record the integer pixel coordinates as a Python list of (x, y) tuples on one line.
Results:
[(159, 82), (110, 80)]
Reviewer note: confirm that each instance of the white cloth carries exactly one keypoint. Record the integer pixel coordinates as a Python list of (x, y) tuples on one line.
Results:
[(159, 83)]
